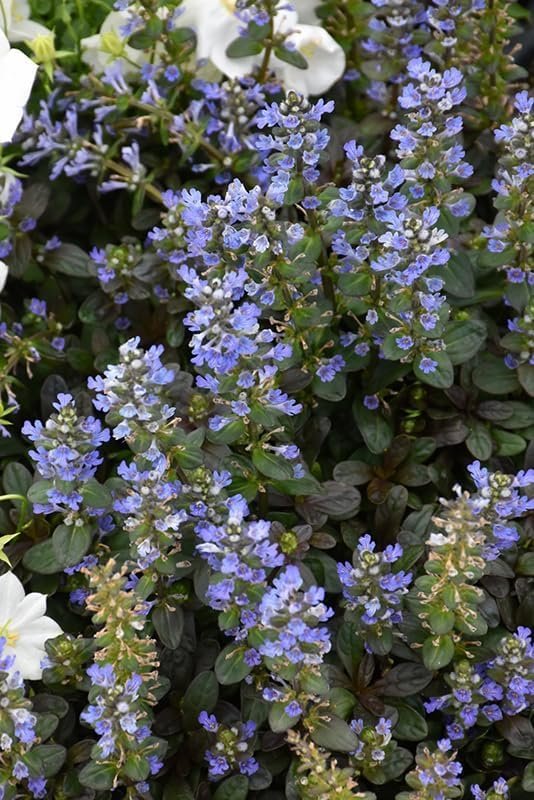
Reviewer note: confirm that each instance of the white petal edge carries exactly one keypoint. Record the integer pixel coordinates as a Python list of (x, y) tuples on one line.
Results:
[(12, 594)]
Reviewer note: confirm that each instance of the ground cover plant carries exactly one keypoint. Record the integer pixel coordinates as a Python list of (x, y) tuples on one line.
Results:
[(266, 379)]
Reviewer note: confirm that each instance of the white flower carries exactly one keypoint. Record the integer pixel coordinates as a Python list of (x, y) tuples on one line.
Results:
[(326, 61), (437, 540), (7, 179), (16, 23), (109, 45), (216, 26), (3, 274), (24, 626), (306, 10), (17, 73)]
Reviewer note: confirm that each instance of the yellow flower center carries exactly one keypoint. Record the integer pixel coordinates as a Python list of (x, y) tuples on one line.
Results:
[(112, 43), (10, 636), (308, 50), (229, 5)]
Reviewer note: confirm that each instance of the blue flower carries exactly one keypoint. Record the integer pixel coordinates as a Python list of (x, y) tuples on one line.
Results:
[(372, 590), (232, 749), (290, 617), (134, 392), (66, 452)]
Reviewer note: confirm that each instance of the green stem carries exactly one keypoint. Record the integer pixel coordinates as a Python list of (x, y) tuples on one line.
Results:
[(263, 505), (167, 115), (124, 172), (269, 43)]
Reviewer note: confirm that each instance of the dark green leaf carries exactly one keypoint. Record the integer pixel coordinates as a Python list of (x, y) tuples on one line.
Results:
[(525, 373), (69, 259), (333, 733), (95, 495), (528, 778), (336, 500), (71, 543), (271, 464), (234, 788), (443, 375), (349, 646), (42, 558), (438, 651), (38, 492), (353, 473), (243, 47), (292, 57), (279, 721), (201, 695), (230, 666), (98, 776), (16, 479), (464, 339), (410, 726), (508, 444), (51, 758), (169, 624), (493, 376), (458, 276), (375, 430), (479, 442), (357, 284), (404, 680)]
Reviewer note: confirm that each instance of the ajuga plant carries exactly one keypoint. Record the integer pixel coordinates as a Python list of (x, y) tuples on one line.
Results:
[(266, 380)]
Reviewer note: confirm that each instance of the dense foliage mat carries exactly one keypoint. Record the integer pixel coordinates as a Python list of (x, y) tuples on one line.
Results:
[(266, 375)]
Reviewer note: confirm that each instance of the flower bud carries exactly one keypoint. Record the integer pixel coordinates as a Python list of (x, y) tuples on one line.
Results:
[(112, 43), (44, 48)]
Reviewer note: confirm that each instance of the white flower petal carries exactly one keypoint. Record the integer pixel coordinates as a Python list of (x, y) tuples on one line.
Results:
[(28, 661), (285, 21), (11, 596), (39, 631), (4, 44), (326, 61), (215, 26), (16, 23), (17, 73), (6, 12), (30, 608), (190, 15), (27, 626), (9, 122), (98, 59), (26, 30), (3, 274), (306, 10)]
